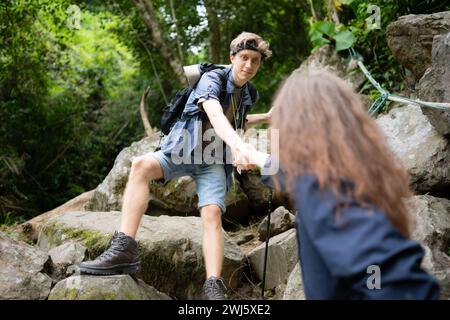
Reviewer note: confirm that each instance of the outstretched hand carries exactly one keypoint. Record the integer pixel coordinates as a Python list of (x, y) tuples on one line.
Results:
[(242, 156)]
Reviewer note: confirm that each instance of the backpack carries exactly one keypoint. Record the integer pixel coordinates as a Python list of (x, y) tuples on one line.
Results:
[(172, 112)]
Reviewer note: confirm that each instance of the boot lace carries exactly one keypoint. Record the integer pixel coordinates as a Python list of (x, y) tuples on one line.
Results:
[(116, 244), (214, 288)]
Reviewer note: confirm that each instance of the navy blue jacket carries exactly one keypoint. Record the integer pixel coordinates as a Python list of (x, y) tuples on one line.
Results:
[(336, 251)]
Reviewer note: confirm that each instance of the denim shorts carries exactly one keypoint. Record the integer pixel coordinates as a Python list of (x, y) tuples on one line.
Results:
[(209, 179)]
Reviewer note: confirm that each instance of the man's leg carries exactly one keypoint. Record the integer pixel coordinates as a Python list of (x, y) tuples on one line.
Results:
[(212, 240), (214, 287), (136, 195), (211, 188), (122, 254)]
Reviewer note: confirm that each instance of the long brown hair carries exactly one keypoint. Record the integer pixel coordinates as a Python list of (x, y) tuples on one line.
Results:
[(325, 130)]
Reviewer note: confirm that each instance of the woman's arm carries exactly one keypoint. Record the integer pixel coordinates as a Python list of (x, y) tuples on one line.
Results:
[(259, 118)]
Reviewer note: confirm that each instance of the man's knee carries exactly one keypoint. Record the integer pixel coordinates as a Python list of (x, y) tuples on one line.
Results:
[(211, 215), (145, 167)]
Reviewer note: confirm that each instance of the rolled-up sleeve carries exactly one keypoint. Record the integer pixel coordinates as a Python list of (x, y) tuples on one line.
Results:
[(208, 87)]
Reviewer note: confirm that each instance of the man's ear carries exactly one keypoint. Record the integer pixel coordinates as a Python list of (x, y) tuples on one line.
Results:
[(232, 58)]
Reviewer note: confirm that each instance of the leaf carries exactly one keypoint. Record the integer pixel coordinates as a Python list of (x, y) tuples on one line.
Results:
[(344, 40), (325, 27), (316, 38)]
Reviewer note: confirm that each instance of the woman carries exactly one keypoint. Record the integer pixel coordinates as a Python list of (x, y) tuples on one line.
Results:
[(352, 226)]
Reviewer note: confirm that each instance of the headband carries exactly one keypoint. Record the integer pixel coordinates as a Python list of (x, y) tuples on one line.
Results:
[(248, 46)]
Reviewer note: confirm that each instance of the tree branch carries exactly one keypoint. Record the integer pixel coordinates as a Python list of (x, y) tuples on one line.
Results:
[(147, 12)]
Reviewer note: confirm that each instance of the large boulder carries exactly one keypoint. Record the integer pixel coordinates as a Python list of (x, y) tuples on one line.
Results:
[(432, 228), (170, 248), (326, 57), (435, 84), (281, 259), (410, 39), (21, 266), (433, 231), (108, 195), (423, 151), (294, 288), (121, 287)]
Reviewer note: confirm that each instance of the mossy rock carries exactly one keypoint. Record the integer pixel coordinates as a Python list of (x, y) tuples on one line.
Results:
[(121, 287)]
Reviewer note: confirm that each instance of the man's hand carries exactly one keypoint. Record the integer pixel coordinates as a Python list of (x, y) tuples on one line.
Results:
[(242, 156)]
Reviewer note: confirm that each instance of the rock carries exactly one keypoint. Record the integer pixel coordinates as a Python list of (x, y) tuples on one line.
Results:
[(434, 86), (326, 57), (433, 231), (68, 253), (432, 228), (294, 288), (257, 192), (281, 220), (282, 257), (410, 39), (170, 248), (108, 195), (120, 287), (21, 266), (66, 259), (243, 237), (443, 277), (423, 151), (237, 205)]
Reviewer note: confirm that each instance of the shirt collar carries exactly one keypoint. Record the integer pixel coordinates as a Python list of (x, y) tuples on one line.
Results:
[(246, 98)]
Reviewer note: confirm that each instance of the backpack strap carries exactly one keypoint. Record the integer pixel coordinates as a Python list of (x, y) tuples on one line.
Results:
[(253, 92), (223, 78)]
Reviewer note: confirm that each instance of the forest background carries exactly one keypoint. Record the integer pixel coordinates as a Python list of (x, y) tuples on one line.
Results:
[(72, 74)]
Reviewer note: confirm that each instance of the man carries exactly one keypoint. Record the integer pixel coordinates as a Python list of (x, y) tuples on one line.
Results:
[(219, 103)]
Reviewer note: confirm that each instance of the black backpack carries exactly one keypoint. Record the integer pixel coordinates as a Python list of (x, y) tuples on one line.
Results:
[(172, 112)]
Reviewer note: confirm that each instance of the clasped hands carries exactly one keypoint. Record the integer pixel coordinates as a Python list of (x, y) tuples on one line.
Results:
[(246, 157)]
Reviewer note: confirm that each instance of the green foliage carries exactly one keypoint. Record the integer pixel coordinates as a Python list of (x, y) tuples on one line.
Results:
[(70, 97), (322, 32), (372, 42)]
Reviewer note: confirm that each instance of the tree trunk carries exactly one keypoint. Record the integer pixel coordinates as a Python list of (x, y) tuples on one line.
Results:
[(144, 116), (175, 21), (147, 12), (332, 12), (214, 31), (31, 228)]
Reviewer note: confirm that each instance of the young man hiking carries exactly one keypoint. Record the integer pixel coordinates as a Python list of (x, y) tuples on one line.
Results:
[(218, 104)]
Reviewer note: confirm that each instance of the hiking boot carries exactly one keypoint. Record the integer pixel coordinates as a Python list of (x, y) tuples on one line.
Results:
[(213, 289), (120, 258)]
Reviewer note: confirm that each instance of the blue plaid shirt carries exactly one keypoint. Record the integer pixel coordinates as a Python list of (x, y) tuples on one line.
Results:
[(210, 86)]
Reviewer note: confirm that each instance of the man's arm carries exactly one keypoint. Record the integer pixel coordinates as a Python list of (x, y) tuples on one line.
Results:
[(226, 132)]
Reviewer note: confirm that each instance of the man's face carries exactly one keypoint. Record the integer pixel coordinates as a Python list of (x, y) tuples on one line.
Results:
[(245, 65)]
